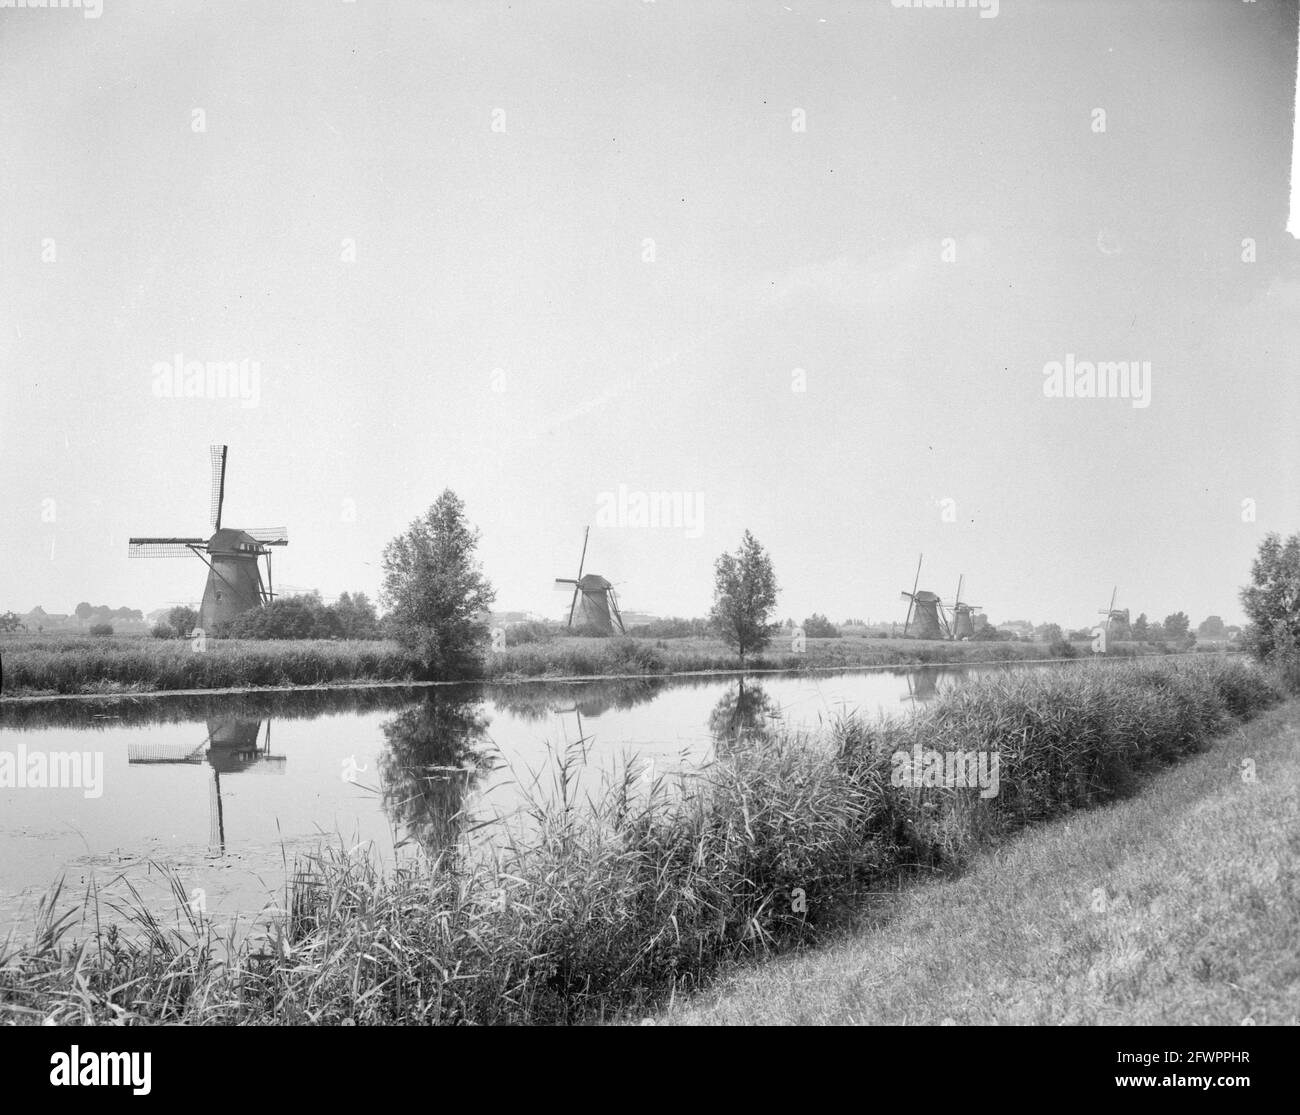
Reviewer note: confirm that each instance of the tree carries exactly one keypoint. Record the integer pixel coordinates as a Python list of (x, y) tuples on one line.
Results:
[(435, 591), (1176, 626), (10, 621), (182, 620), (817, 626), (357, 616), (1141, 629), (744, 594), (83, 611), (1272, 604), (1211, 627), (1156, 633), (1050, 633)]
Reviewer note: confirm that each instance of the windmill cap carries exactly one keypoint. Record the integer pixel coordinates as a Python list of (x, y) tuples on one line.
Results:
[(592, 582), (927, 597), (227, 539)]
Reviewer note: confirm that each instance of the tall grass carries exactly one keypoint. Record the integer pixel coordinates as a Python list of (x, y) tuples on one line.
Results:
[(598, 903), (69, 665), (74, 665)]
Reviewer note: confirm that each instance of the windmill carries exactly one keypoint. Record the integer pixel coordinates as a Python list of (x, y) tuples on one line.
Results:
[(232, 556), (593, 598), (1113, 613), (963, 626), (923, 609)]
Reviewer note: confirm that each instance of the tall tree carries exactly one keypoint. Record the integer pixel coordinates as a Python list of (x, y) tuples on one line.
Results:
[(436, 593), (1212, 627), (744, 595), (1140, 628), (1272, 603), (1176, 625)]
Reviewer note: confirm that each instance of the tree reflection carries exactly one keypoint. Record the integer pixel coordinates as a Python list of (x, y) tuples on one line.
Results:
[(745, 714), (437, 751)]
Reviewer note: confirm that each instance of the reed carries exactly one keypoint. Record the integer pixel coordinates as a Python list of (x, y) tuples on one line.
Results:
[(599, 902)]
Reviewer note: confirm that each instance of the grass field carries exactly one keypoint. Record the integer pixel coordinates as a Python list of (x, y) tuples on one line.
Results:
[(615, 899), (1178, 907), (46, 665)]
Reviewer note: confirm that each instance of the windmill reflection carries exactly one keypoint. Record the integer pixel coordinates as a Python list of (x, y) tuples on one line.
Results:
[(436, 754), (233, 744), (745, 714), (923, 685)]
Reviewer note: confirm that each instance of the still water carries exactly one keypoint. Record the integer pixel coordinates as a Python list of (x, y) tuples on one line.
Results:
[(225, 791)]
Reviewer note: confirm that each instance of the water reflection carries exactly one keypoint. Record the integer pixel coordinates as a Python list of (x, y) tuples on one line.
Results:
[(744, 714), (233, 744), (437, 752), (532, 701)]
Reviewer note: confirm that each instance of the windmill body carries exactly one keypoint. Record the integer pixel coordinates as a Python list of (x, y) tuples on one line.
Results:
[(232, 556), (925, 621), (594, 604)]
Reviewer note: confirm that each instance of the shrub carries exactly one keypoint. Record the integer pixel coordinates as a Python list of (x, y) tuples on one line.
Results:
[(163, 631), (101, 629)]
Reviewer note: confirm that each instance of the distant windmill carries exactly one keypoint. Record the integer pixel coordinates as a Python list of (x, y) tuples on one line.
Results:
[(1112, 613), (923, 610), (593, 601), (232, 556), (963, 626)]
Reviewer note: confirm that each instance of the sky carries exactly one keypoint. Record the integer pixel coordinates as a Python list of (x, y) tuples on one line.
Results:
[(801, 267)]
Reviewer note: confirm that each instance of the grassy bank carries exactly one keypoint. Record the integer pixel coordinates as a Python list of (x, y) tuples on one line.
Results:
[(601, 903), (1175, 907), (38, 666)]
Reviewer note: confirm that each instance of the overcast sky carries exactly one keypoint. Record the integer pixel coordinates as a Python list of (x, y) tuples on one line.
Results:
[(802, 265)]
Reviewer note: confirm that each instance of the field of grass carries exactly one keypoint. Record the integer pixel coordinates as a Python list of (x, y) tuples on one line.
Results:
[(1177, 907), (47, 665), (604, 902), (35, 665)]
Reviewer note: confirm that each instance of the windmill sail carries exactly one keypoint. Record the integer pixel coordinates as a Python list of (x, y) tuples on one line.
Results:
[(162, 547), (217, 454)]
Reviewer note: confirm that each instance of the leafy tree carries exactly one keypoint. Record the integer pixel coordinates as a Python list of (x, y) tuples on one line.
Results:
[(744, 594), (1156, 633), (435, 590), (817, 626), (83, 611), (357, 616), (11, 622), (1141, 629), (1176, 626), (182, 620), (1272, 604), (1050, 633), (1211, 627)]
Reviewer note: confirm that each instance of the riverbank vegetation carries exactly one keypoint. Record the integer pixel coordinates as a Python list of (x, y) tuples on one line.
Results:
[(53, 665), (600, 902)]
